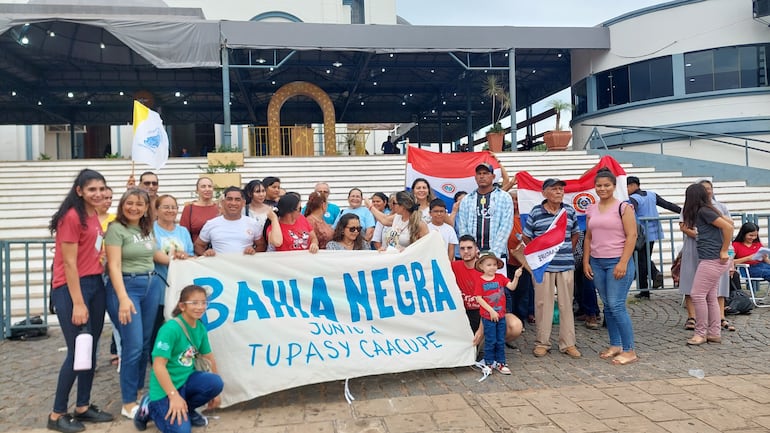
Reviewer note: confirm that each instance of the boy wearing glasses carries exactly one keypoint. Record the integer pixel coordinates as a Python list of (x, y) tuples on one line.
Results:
[(437, 215)]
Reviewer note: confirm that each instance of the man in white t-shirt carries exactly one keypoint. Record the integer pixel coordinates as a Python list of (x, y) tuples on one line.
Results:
[(231, 232)]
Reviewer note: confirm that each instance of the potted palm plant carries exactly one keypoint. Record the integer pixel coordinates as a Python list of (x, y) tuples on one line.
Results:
[(558, 139), (501, 104)]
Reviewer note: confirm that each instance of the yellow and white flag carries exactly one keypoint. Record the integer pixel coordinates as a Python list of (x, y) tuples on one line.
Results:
[(150, 144)]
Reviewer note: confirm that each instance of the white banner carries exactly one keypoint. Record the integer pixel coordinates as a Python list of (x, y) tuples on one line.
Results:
[(287, 319)]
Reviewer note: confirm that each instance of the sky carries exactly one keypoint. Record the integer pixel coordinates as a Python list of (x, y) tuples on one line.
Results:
[(578, 13), (524, 13)]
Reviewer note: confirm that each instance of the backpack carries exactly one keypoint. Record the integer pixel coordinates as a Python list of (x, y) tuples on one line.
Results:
[(641, 237), (738, 302), (23, 334)]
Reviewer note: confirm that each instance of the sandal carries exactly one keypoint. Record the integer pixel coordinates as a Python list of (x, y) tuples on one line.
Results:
[(610, 352), (727, 325), (623, 360), (690, 324)]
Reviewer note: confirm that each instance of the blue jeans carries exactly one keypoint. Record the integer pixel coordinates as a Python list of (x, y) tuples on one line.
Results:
[(199, 389), (760, 270), (135, 336), (585, 293), (614, 293), (92, 288), (494, 340)]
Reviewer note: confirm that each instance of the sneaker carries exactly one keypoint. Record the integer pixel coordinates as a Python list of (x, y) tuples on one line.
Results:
[(540, 351), (65, 424), (197, 419), (572, 352), (503, 369), (93, 414), (592, 322), (142, 416)]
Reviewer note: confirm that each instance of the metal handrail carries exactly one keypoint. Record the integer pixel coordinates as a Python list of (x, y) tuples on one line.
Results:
[(689, 133), (6, 285)]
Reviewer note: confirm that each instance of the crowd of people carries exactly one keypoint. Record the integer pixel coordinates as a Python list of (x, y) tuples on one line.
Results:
[(118, 264)]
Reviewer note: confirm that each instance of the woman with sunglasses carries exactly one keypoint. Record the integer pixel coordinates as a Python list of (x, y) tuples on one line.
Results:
[(348, 235)]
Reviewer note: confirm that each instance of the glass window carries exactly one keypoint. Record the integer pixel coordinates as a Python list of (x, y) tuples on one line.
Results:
[(750, 66), (580, 97), (651, 79), (726, 73), (661, 77), (699, 71), (612, 87)]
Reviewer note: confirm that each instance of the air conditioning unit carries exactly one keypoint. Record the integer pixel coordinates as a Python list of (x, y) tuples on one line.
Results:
[(761, 8), (65, 129)]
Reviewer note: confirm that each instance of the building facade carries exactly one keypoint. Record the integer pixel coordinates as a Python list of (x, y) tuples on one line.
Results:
[(686, 78)]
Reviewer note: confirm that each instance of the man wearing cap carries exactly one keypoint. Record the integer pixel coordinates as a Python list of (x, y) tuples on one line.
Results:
[(646, 205), (487, 214), (559, 275)]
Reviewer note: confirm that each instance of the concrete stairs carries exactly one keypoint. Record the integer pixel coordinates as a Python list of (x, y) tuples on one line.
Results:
[(30, 192)]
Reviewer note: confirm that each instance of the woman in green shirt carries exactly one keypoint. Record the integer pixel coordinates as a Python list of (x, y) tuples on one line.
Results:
[(133, 290)]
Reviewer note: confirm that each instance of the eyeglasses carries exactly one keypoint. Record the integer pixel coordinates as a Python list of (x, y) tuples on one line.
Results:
[(150, 183), (354, 229), (168, 207), (197, 303)]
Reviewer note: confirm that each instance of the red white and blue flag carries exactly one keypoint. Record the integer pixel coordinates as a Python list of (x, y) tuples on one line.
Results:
[(541, 250), (447, 173), (578, 193)]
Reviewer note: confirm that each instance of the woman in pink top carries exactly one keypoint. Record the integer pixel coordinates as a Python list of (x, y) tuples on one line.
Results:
[(608, 261)]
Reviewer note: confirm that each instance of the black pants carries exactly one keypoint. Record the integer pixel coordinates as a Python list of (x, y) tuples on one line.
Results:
[(641, 266), (521, 302)]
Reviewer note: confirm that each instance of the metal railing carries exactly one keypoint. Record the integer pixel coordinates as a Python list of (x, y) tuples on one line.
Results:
[(672, 238), (306, 141), (21, 255), (669, 134)]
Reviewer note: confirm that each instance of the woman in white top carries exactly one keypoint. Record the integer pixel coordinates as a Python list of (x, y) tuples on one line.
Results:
[(423, 194), (406, 224), (256, 208)]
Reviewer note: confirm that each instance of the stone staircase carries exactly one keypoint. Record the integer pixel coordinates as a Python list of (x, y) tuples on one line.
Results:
[(31, 191)]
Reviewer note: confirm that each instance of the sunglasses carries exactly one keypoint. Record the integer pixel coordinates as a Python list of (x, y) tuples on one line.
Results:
[(149, 183), (354, 229)]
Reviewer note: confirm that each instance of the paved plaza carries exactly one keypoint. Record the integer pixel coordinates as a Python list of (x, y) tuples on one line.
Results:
[(550, 394)]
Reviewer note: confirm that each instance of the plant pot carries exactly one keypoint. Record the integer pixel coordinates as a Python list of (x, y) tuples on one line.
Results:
[(557, 140), (225, 158), (495, 141), (223, 180)]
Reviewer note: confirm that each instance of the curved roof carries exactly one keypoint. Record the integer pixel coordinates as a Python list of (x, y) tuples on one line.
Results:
[(102, 55)]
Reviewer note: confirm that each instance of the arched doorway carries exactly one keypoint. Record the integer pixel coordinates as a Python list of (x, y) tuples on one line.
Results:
[(311, 91)]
